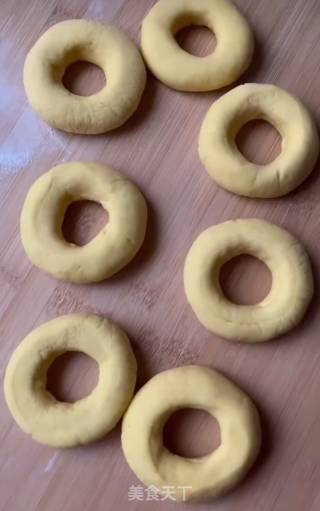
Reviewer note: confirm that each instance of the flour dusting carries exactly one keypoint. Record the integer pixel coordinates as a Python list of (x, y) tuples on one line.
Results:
[(23, 134), (51, 462), (25, 142)]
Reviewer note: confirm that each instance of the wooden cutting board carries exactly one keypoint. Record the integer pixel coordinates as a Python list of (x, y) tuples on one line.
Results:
[(157, 148)]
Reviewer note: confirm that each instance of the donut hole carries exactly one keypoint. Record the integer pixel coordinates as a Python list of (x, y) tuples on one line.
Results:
[(82, 221), (200, 41), (72, 376), (245, 280), (191, 433), (196, 39), (84, 78), (259, 142), (193, 35)]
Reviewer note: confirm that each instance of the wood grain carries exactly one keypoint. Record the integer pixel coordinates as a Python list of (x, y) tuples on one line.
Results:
[(157, 148)]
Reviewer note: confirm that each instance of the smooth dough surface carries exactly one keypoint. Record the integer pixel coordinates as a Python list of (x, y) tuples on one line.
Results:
[(224, 162), (110, 250), (61, 424), (107, 47), (179, 69), (200, 388), (288, 262)]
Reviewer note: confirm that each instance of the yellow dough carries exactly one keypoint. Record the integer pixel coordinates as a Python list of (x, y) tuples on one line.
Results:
[(113, 247), (61, 424), (107, 47), (230, 169), (179, 69), (292, 280), (191, 387)]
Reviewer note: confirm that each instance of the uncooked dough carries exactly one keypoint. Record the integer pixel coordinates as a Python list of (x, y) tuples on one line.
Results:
[(179, 69), (107, 47), (61, 424), (191, 387), (230, 169), (292, 280), (113, 247)]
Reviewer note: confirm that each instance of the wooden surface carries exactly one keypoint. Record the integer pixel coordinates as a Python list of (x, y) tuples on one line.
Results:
[(158, 149)]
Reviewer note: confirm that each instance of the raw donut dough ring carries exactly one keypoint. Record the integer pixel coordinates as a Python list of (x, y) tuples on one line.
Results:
[(61, 424), (113, 247), (179, 69), (200, 388), (288, 262), (230, 169), (107, 47)]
